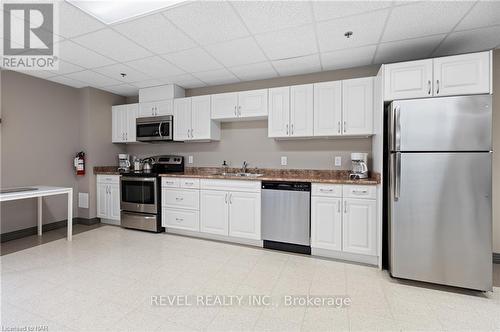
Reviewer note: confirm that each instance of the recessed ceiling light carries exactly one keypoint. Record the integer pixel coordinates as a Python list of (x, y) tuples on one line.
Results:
[(114, 11)]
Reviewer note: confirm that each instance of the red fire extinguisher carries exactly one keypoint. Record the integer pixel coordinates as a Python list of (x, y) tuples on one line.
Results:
[(79, 163)]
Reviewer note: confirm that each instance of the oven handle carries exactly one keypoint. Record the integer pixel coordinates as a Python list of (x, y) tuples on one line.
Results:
[(138, 179)]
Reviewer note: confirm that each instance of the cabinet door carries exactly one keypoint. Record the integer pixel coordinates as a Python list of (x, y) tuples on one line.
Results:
[(328, 109), (114, 202), (252, 104), (406, 80), (181, 219), (201, 117), (360, 226), (164, 107), (357, 106), (116, 130), (301, 110), (102, 200), (462, 74), (224, 106), (182, 119), (214, 212), (279, 112), (147, 109), (132, 112), (326, 223), (244, 215)]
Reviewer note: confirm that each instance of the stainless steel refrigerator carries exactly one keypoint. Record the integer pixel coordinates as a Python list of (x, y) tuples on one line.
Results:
[(439, 193)]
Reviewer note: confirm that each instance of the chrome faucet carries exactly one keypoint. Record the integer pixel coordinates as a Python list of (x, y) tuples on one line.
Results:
[(244, 167)]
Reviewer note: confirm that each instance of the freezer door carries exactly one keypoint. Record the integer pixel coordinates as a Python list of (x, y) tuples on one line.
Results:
[(441, 124), (441, 219)]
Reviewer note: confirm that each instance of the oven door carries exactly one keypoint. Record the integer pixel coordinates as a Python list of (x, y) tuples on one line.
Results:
[(139, 194), (154, 129)]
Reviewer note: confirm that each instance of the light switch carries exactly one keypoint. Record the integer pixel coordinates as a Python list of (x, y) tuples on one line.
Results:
[(338, 161), (284, 161), (190, 159)]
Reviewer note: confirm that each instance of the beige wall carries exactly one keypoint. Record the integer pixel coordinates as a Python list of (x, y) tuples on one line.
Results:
[(44, 124), (248, 140), (496, 151)]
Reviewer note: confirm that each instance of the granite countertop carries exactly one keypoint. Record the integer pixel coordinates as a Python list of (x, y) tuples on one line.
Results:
[(106, 170)]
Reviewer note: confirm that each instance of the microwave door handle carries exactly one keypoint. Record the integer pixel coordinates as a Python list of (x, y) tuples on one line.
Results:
[(159, 129)]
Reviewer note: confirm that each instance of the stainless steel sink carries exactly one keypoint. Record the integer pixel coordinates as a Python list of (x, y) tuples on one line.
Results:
[(241, 174)]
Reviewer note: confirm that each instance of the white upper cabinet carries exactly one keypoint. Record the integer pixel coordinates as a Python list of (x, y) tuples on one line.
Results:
[(132, 114), (162, 92), (407, 80), (328, 108), (246, 105), (156, 108), (123, 119), (225, 106), (447, 76), (357, 106), (192, 120), (462, 74), (301, 110), (278, 123)]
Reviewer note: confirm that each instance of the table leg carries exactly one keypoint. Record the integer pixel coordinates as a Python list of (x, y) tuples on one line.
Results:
[(39, 216), (70, 215)]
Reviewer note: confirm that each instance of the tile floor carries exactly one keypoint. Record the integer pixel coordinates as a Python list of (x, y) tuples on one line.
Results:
[(105, 278)]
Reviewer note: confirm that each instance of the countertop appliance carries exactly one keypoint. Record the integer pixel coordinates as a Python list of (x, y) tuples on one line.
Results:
[(140, 194), (123, 162), (155, 129), (359, 168), (439, 194), (286, 217)]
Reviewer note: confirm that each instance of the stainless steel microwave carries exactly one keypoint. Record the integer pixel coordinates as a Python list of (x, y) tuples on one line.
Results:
[(154, 129)]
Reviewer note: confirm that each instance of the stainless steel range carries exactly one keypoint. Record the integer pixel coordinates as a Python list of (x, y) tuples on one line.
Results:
[(140, 195)]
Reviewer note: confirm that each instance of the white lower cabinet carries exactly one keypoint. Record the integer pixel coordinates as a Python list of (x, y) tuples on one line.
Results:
[(180, 204), (108, 198), (181, 219), (244, 215), (214, 212), (344, 222)]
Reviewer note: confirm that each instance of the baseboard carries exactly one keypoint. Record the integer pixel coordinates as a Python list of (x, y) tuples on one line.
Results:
[(496, 258), (45, 228)]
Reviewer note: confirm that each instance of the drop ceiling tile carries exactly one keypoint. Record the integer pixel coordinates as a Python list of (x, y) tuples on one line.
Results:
[(66, 68), (187, 81), (156, 33), (237, 52), (81, 56), (255, 71), (484, 13), (424, 18), (470, 41), (113, 45), (115, 72), (265, 16), (93, 79), (148, 83), (208, 21), (68, 81), (326, 10), (348, 58), (193, 60), (296, 66), (405, 50), (155, 67), (366, 29), (215, 77), (126, 90), (74, 22), (288, 43)]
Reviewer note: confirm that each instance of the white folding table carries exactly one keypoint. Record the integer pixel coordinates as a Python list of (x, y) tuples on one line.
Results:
[(39, 192)]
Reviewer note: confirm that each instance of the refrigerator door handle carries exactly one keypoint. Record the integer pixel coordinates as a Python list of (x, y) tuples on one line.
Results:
[(397, 128), (397, 176)]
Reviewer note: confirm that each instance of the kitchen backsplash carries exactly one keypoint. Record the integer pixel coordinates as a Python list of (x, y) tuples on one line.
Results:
[(248, 141)]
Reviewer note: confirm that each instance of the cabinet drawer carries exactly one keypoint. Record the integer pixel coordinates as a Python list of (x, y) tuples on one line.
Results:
[(181, 198), (230, 185), (189, 183), (326, 189), (109, 179), (353, 191), (167, 182), (181, 219)]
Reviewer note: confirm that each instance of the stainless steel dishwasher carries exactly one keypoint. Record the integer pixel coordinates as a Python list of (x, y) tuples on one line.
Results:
[(286, 216)]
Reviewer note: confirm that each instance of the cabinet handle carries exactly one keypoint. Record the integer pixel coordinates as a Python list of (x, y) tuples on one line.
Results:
[(189, 183), (231, 198), (235, 112), (345, 206), (437, 87), (192, 133), (188, 133), (239, 110), (179, 199), (326, 190), (345, 126), (287, 129), (225, 198), (338, 207), (339, 125), (360, 191), (429, 87), (292, 128), (179, 219)]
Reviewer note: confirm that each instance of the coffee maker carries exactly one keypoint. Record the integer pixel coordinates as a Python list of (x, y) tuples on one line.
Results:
[(359, 169), (123, 162)]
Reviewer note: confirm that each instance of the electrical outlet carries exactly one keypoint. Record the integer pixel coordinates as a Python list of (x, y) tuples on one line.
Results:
[(190, 159), (338, 161), (284, 161)]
